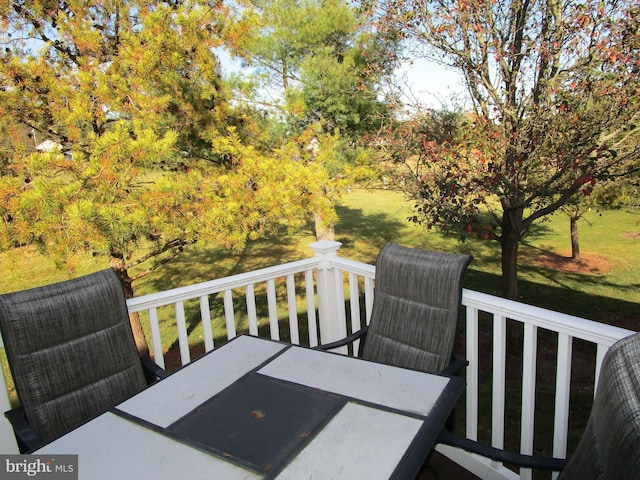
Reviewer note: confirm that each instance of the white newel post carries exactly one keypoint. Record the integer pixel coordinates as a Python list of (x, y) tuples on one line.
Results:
[(7, 438), (330, 286)]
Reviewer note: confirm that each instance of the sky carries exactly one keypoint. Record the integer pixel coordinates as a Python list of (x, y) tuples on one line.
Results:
[(425, 81), (430, 83)]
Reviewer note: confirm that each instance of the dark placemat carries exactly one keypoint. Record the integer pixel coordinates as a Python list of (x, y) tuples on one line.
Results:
[(259, 420)]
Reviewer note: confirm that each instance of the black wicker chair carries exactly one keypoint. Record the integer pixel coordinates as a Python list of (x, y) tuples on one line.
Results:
[(71, 353), (416, 310)]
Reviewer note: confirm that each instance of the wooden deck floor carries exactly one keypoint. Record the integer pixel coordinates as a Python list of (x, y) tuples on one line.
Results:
[(440, 467)]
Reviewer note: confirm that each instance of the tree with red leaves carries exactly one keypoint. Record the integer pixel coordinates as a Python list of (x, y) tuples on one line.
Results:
[(555, 93)]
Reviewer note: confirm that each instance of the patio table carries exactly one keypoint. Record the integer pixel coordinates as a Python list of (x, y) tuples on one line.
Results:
[(258, 408)]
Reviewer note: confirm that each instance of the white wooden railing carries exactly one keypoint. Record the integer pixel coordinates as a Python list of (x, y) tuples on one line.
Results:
[(567, 328), (334, 296)]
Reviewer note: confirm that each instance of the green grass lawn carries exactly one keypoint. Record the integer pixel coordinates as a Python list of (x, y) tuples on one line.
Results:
[(369, 219)]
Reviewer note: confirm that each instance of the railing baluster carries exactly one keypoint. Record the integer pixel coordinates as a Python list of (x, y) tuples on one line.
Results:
[(339, 296), (293, 310), (600, 352), (205, 316), (251, 309), (311, 309), (563, 390), (529, 356), (156, 340), (354, 303), (368, 297), (499, 382), (472, 374), (273, 309), (229, 314), (183, 336)]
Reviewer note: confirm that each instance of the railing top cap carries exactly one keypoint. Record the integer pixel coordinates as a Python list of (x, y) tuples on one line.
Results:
[(324, 247)]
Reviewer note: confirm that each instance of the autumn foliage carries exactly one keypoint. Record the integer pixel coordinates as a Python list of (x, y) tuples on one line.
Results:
[(148, 153), (554, 109)]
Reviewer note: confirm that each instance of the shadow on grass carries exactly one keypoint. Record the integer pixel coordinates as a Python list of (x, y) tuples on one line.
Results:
[(484, 272), (375, 229), (208, 262), (363, 235), (560, 297)]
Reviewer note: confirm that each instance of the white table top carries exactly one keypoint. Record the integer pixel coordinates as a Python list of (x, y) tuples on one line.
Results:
[(177, 395), (377, 438), (393, 387), (382, 413), (113, 448)]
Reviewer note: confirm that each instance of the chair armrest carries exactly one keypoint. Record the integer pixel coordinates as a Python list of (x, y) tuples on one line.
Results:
[(152, 371), (28, 439), (454, 368), (359, 335), (526, 461)]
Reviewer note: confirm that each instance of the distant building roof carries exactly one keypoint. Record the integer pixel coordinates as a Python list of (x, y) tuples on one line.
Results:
[(48, 146)]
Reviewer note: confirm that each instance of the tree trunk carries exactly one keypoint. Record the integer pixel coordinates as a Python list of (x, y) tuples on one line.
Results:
[(575, 244), (323, 232), (118, 264), (511, 231)]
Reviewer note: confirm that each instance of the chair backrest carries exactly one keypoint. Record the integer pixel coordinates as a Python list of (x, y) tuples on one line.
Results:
[(414, 320), (70, 350), (610, 445)]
